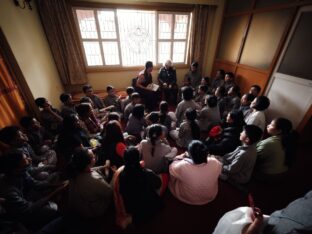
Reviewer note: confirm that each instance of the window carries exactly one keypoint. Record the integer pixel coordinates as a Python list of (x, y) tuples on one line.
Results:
[(123, 38)]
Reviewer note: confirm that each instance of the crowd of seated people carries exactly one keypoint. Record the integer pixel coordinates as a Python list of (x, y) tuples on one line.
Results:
[(125, 151)]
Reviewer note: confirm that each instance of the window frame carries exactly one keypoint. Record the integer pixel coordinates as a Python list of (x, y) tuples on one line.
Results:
[(119, 67)]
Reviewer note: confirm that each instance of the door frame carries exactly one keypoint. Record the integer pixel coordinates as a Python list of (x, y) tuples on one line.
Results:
[(17, 76), (308, 114)]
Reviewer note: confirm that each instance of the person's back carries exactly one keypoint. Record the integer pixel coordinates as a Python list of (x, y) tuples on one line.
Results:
[(138, 187), (208, 116), (193, 182), (270, 156), (89, 194), (238, 165)]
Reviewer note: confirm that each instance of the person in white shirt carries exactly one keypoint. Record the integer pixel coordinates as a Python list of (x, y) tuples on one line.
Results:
[(256, 115)]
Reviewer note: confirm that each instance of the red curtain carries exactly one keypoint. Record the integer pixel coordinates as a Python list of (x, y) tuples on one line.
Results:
[(12, 107)]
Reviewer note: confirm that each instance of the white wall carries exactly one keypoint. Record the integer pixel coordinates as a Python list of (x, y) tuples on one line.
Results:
[(25, 35)]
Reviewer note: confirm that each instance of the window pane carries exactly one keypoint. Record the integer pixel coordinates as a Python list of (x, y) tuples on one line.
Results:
[(264, 35), (86, 23), (178, 52), (180, 26), (137, 36), (165, 26), (111, 55), (298, 56), (93, 53), (164, 49), (232, 34), (238, 5), (107, 24)]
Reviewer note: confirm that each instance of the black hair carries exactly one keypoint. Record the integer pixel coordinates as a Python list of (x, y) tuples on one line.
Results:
[(134, 96), (154, 133), (203, 88), (289, 139), (212, 101), (230, 74), (132, 160), (257, 87), (10, 161), (79, 161), (262, 103), (148, 64), (195, 64), (207, 79), (198, 151), (26, 121), (40, 101), (130, 90), (253, 132), (8, 134), (153, 117), (163, 110), (86, 87), (222, 72), (187, 93), (163, 107), (138, 111), (113, 116), (221, 90), (109, 88), (83, 109), (237, 118), (191, 116), (236, 90), (64, 97), (249, 97)]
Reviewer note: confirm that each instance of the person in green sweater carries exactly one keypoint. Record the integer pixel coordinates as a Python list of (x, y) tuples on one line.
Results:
[(275, 154)]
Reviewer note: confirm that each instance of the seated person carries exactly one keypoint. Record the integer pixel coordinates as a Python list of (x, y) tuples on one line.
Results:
[(145, 79), (127, 100), (294, 218), (193, 77), (135, 99), (255, 90), (89, 194), (233, 102), (229, 137), (112, 99), (257, 116), (17, 140), (167, 79), (187, 102), (201, 95), (88, 118), (218, 81), (164, 117), (88, 91), (138, 187), (229, 80), (68, 106), (50, 117), (238, 165), (38, 138), (137, 123), (275, 154), (155, 150), (246, 100), (16, 187), (209, 114), (194, 175)]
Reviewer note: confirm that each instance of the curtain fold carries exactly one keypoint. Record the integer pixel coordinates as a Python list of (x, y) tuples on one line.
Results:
[(57, 21), (198, 34), (11, 103)]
